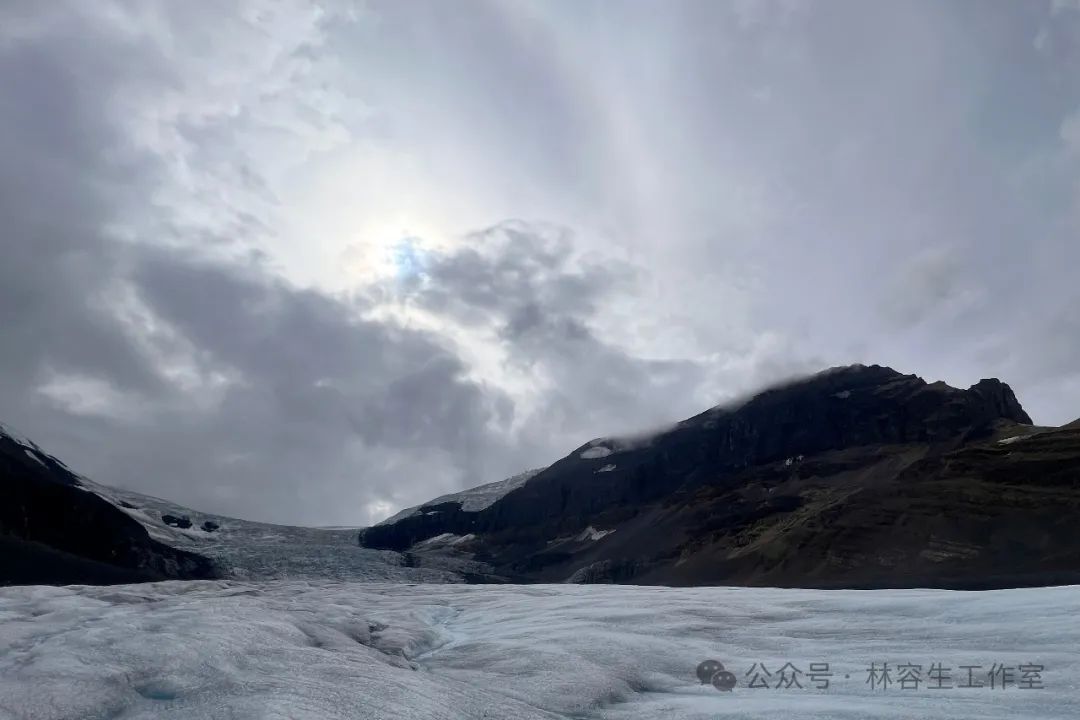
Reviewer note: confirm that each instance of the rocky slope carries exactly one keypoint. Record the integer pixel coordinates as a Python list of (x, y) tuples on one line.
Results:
[(54, 530), (60, 528), (855, 477)]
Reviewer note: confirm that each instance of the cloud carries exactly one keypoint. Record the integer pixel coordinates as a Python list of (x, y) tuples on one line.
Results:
[(930, 285), (174, 368), (260, 261), (1070, 132)]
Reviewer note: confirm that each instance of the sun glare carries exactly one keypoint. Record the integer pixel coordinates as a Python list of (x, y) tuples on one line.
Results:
[(384, 250)]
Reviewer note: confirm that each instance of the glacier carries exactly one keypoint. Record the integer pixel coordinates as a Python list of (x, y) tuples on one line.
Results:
[(329, 650), (254, 551)]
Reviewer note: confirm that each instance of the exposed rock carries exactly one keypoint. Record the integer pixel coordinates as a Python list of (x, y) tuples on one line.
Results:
[(183, 521), (210, 526)]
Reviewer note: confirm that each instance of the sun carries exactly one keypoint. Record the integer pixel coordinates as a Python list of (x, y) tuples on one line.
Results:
[(390, 249)]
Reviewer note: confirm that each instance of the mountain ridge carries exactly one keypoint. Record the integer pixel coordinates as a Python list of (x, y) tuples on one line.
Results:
[(716, 497), (858, 476), (54, 529), (76, 531)]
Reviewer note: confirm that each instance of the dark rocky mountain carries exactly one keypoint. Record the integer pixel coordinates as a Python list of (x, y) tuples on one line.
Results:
[(855, 477), (55, 531)]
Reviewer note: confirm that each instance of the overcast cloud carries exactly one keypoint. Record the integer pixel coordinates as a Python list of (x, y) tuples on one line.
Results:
[(313, 262)]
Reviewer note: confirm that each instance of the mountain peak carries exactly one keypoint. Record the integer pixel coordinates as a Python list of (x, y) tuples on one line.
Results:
[(1001, 399), (790, 486), (987, 400)]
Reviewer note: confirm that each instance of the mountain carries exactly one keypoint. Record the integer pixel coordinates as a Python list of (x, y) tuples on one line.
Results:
[(855, 477), (54, 530), (254, 551), (59, 528), (858, 476)]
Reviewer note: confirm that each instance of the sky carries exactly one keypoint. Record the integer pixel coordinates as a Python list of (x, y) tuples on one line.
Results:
[(313, 262)]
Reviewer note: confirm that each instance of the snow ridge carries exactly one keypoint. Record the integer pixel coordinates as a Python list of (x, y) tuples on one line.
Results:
[(473, 499)]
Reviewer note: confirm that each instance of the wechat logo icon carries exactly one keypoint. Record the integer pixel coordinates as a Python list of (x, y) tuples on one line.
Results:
[(712, 672)]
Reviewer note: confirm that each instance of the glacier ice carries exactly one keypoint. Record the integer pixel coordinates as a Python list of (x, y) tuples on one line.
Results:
[(331, 650)]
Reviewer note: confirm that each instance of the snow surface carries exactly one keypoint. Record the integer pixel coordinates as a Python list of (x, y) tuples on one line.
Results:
[(334, 651), (444, 540), (11, 433), (34, 456), (29, 447), (607, 468), (473, 499), (591, 533), (595, 452)]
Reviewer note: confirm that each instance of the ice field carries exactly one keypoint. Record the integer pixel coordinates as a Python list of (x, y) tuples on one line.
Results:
[(325, 650)]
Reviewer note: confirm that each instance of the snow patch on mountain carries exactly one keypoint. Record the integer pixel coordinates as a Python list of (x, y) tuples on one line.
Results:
[(471, 500), (591, 533), (596, 452), (602, 447), (34, 456), (12, 434), (443, 540)]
